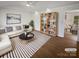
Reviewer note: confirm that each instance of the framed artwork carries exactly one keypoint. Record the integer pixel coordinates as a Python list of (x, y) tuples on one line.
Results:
[(13, 18)]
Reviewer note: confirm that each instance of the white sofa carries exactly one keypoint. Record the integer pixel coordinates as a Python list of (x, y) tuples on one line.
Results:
[(5, 44)]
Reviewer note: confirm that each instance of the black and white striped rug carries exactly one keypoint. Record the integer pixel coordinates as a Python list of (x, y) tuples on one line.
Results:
[(25, 49)]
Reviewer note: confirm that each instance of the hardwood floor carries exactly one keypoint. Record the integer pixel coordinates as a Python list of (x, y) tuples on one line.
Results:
[(55, 47)]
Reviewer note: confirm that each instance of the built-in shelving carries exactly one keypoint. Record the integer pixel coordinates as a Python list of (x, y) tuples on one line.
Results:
[(48, 23)]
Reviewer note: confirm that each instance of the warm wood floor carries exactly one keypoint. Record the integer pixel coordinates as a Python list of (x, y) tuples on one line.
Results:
[(55, 48)]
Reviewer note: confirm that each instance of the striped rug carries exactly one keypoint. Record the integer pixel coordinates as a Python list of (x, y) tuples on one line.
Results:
[(25, 49)]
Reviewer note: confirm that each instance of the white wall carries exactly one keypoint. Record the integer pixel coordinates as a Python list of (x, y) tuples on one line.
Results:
[(37, 21), (25, 17)]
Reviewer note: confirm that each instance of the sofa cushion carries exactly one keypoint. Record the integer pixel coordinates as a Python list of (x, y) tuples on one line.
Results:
[(18, 28), (9, 29)]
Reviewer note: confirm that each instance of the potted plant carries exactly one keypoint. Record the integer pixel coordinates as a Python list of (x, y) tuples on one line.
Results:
[(32, 24)]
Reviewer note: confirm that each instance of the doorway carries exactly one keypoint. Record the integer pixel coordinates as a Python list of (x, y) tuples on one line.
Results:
[(71, 24)]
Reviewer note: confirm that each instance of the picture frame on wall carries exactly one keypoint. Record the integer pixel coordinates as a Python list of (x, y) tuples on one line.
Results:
[(13, 18)]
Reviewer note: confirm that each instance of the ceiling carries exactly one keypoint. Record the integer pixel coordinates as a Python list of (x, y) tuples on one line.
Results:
[(36, 5)]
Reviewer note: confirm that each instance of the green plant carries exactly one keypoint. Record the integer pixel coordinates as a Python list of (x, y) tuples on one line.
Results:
[(32, 24)]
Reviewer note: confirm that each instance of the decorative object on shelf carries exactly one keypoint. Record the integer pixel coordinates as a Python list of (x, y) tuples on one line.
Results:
[(13, 18)]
